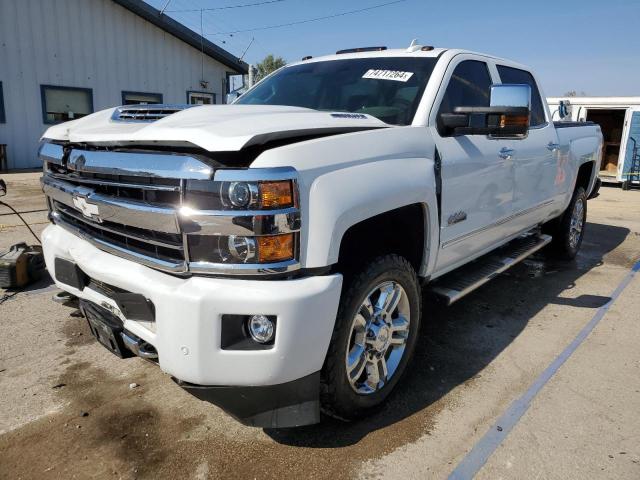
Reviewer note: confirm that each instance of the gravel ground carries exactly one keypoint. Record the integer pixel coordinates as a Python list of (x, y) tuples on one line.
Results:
[(70, 409)]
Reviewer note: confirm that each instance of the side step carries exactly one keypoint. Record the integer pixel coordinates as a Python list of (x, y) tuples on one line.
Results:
[(458, 283)]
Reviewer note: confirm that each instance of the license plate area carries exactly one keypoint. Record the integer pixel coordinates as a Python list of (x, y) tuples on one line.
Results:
[(106, 328)]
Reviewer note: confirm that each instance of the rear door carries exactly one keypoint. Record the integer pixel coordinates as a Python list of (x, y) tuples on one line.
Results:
[(536, 158), (477, 179)]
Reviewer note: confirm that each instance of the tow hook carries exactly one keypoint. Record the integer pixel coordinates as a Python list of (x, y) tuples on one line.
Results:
[(138, 346)]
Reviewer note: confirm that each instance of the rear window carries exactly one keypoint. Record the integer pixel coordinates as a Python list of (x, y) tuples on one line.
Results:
[(388, 88), (515, 75)]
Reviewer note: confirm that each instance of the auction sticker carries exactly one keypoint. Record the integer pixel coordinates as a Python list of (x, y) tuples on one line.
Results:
[(388, 75)]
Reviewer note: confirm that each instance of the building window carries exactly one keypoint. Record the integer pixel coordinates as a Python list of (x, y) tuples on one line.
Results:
[(3, 119), (141, 98), (60, 104), (201, 98)]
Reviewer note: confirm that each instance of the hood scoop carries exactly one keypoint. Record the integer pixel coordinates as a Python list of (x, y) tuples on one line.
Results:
[(146, 113)]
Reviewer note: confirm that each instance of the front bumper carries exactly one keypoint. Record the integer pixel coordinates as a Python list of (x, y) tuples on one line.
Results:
[(187, 328)]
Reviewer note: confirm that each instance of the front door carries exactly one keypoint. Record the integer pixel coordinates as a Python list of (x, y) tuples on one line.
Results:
[(477, 172)]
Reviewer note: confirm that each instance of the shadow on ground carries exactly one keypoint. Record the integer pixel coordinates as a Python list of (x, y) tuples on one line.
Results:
[(458, 342)]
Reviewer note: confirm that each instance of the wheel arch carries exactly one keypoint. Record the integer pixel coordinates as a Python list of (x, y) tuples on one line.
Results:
[(403, 231), (586, 176)]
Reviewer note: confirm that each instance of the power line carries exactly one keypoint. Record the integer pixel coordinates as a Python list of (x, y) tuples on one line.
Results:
[(228, 7), (308, 20)]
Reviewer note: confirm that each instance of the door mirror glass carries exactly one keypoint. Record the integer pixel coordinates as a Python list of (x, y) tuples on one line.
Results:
[(513, 102), (510, 95)]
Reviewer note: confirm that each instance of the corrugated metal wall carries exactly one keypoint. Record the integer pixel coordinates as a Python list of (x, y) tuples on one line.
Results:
[(93, 44)]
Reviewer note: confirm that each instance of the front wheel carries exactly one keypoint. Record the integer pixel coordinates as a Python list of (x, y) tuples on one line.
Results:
[(373, 339), (568, 230)]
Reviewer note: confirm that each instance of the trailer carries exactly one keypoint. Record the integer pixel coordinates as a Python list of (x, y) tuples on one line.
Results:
[(619, 119)]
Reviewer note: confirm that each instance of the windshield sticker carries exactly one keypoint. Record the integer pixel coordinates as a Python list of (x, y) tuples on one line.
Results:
[(388, 75)]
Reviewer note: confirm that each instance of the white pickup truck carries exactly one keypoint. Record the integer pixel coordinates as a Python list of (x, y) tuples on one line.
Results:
[(270, 255)]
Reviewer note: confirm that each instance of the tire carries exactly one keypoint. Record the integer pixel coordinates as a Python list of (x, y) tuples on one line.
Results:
[(357, 339), (568, 230)]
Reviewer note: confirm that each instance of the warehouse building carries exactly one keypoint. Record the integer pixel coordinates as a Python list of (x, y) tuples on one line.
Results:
[(63, 59)]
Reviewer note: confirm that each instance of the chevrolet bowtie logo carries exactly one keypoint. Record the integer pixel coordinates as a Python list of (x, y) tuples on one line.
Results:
[(89, 210)]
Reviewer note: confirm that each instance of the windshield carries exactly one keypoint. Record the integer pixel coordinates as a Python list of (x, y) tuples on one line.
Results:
[(388, 88)]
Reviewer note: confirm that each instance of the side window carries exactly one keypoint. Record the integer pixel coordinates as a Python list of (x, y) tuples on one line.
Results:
[(469, 86), (515, 75)]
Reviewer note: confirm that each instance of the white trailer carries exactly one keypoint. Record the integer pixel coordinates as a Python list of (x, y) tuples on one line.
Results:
[(619, 119)]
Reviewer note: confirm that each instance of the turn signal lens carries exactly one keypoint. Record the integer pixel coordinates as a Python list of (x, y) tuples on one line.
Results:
[(275, 194), (275, 248), (514, 121)]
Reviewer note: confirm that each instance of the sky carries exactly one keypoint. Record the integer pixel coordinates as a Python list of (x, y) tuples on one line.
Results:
[(588, 46)]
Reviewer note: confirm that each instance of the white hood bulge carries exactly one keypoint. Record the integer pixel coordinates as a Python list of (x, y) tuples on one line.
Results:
[(213, 127)]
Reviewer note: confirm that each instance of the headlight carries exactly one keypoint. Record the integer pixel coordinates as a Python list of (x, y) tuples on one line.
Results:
[(234, 249), (267, 195), (242, 219), (241, 194)]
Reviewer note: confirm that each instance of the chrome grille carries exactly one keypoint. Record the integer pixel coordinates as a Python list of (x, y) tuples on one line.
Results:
[(146, 189), (162, 246), (146, 113), (136, 204)]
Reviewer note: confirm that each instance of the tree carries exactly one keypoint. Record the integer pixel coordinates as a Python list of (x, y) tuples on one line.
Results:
[(268, 65)]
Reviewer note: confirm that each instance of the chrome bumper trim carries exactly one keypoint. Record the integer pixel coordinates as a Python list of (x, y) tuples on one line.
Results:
[(243, 269)]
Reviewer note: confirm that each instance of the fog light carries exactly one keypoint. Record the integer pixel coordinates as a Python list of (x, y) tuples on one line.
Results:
[(261, 328)]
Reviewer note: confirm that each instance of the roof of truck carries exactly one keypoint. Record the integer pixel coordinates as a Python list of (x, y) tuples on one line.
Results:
[(416, 51), (390, 52)]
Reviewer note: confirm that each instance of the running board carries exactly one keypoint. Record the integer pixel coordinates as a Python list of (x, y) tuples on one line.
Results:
[(454, 285)]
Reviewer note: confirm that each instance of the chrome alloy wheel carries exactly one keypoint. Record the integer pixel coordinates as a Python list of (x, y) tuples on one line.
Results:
[(378, 338), (576, 224)]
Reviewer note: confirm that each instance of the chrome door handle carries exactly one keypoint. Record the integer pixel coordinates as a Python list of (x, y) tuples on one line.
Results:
[(506, 153), (553, 146)]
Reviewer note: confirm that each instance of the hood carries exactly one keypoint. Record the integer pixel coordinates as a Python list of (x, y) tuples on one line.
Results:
[(216, 128)]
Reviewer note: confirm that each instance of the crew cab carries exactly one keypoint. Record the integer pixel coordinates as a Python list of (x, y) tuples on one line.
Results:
[(271, 255)]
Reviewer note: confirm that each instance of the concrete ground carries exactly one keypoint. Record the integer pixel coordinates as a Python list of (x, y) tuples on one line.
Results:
[(70, 409)]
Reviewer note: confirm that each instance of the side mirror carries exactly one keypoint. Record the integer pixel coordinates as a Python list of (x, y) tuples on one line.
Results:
[(3, 188), (507, 115)]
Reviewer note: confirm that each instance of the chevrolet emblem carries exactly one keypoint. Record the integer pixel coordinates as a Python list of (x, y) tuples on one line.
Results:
[(89, 210)]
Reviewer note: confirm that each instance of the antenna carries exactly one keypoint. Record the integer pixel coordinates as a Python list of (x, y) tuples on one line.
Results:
[(165, 7), (414, 47), (245, 50)]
